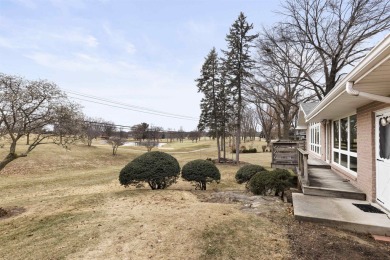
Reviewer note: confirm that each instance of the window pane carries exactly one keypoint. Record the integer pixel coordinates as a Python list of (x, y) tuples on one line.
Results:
[(336, 157), (344, 134), (336, 134), (353, 134), (353, 163), (344, 160)]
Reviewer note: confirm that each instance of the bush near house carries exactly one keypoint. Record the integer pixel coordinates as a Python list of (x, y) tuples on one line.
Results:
[(201, 172), (245, 173), (281, 181), (260, 183), (278, 181), (158, 169)]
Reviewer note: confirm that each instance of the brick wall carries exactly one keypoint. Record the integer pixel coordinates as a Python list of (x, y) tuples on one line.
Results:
[(366, 176)]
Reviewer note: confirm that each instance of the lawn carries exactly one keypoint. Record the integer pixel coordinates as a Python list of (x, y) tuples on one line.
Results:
[(70, 205)]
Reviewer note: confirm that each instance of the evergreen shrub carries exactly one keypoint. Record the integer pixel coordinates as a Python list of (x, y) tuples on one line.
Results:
[(158, 169), (201, 172), (245, 173)]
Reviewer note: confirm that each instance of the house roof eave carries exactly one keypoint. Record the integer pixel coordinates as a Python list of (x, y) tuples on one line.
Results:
[(379, 53)]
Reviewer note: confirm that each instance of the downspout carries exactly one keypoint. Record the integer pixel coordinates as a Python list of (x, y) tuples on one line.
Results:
[(351, 91)]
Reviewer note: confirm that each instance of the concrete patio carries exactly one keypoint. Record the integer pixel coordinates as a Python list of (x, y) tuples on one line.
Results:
[(341, 213), (328, 199)]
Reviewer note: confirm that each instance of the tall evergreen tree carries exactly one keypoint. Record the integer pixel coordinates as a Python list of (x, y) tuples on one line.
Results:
[(239, 65), (208, 84), (225, 105)]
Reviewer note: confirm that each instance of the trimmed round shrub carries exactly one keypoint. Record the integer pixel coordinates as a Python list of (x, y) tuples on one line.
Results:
[(260, 183), (158, 169), (200, 172), (281, 180), (245, 173), (278, 181)]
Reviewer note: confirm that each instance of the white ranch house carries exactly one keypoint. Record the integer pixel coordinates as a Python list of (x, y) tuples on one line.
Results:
[(350, 128)]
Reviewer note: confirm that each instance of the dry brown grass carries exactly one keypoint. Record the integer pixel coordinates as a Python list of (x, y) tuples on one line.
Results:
[(75, 208)]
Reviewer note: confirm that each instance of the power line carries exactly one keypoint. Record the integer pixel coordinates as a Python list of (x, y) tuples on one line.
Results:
[(137, 110), (129, 107)]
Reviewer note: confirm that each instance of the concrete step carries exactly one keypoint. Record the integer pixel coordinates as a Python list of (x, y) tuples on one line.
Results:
[(325, 182), (316, 163), (334, 193), (340, 213)]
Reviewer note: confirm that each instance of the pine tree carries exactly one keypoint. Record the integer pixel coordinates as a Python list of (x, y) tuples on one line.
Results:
[(239, 65), (225, 105), (207, 84)]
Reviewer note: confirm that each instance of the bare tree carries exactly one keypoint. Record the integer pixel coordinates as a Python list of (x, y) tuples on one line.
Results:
[(93, 128), (249, 123), (280, 83), (170, 135), (267, 120), (139, 131), (31, 108), (194, 135), (337, 31), (115, 142), (180, 135), (153, 136), (108, 129), (68, 124)]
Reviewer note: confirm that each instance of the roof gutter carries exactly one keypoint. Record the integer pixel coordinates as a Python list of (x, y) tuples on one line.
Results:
[(351, 91)]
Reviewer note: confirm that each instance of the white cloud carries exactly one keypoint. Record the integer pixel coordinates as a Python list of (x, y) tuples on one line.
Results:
[(78, 62), (118, 39), (130, 48), (77, 36)]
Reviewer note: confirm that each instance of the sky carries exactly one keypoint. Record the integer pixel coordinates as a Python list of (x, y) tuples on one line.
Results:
[(144, 53)]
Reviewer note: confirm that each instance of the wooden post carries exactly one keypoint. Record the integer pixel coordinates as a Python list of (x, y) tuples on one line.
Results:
[(303, 157)]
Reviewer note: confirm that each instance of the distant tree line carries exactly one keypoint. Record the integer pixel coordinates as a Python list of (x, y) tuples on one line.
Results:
[(37, 112)]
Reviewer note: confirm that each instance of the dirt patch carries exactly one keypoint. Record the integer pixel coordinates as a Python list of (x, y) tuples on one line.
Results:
[(11, 212), (307, 240), (249, 203), (313, 241), (3, 212)]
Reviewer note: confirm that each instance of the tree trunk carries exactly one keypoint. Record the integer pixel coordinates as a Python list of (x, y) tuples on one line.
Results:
[(224, 144), (286, 130), (219, 148), (202, 185), (9, 158), (28, 139)]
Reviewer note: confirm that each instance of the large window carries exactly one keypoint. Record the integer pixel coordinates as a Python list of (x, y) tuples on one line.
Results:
[(315, 138), (345, 142)]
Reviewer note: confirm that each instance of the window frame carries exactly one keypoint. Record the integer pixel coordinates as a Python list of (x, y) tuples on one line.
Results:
[(338, 149), (315, 138)]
